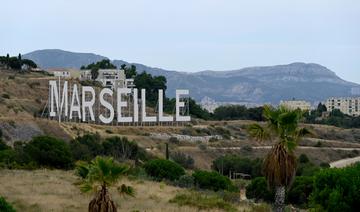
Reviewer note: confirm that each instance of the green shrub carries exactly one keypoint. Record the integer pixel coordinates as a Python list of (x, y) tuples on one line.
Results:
[(202, 147), (184, 160), (5, 206), (86, 147), (202, 201), (258, 190), (235, 163), (122, 149), (318, 144), (3, 145), (306, 169), (185, 181), (164, 169), (212, 181), (303, 158), (108, 131), (300, 191), (138, 172), (50, 152), (298, 194), (174, 140), (5, 96), (246, 149), (229, 196), (337, 189), (324, 165)]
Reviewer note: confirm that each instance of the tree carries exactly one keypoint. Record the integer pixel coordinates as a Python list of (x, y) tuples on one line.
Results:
[(49, 152), (97, 176), (130, 72), (103, 64), (164, 169), (279, 165), (321, 108), (94, 73), (337, 189)]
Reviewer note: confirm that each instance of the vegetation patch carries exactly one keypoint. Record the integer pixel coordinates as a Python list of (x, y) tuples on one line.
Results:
[(164, 169), (202, 201), (5, 206)]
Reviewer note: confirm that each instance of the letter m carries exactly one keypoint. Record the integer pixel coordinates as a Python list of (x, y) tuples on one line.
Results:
[(55, 101)]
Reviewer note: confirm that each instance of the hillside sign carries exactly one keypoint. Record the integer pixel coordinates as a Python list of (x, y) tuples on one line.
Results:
[(68, 105)]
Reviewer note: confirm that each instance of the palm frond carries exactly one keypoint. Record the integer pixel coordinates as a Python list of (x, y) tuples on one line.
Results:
[(86, 187), (258, 132), (126, 190), (82, 169)]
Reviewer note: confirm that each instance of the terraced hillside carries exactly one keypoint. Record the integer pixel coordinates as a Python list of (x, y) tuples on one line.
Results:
[(23, 95)]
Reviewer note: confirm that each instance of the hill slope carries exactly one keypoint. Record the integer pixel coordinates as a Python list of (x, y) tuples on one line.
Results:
[(56, 58), (267, 84)]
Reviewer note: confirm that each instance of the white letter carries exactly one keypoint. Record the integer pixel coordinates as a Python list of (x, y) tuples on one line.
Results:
[(145, 118), (88, 104), (181, 104), (54, 93), (73, 107), (107, 105), (121, 104), (136, 105), (161, 117)]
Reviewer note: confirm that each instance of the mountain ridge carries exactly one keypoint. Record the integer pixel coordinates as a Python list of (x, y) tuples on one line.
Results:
[(257, 84)]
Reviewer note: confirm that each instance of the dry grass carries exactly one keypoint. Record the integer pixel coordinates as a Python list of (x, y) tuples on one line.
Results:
[(54, 190)]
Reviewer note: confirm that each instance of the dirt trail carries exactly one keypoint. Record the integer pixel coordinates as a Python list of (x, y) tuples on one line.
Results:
[(344, 162)]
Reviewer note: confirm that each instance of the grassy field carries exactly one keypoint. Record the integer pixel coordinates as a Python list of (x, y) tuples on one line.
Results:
[(54, 190)]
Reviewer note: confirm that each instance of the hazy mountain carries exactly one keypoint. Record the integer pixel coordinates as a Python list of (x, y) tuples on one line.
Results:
[(56, 58), (266, 84)]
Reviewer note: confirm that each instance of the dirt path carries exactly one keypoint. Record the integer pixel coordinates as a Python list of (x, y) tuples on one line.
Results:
[(299, 147), (344, 162)]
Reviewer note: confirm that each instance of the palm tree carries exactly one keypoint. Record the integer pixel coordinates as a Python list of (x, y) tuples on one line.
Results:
[(279, 165), (97, 176)]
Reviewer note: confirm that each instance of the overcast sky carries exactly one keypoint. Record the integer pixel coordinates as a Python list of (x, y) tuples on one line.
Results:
[(191, 35)]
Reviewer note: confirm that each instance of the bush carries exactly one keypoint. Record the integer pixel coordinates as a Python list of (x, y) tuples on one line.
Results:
[(3, 145), (108, 131), (246, 149), (235, 163), (258, 190), (164, 169), (306, 169), (185, 181), (337, 189), (184, 160), (86, 147), (303, 158), (123, 149), (174, 140), (5, 206), (202, 201), (212, 181), (298, 194), (5, 96), (300, 191), (50, 152), (202, 147)]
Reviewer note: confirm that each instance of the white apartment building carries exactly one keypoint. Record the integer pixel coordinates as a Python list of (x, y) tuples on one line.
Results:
[(296, 104), (111, 78), (347, 105)]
